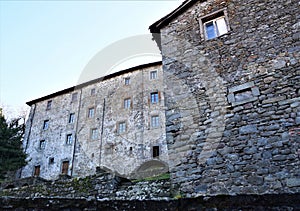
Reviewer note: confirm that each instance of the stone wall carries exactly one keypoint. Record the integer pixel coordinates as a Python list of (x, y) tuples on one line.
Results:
[(123, 153), (233, 102)]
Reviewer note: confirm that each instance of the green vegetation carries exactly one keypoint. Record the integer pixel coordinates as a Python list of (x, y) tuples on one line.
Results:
[(155, 178), (12, 156)]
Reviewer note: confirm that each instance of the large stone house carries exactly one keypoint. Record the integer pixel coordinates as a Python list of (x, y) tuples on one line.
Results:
[(116, 123), (232, 78)]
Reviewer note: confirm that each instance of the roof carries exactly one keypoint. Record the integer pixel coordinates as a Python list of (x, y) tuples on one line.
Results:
[(71, 89), (155, 27)]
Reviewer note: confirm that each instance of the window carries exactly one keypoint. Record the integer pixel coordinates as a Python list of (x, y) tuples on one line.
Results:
[(154, 97), (214, 25), (122, 127), (155, 121), (153, 75), (127, 103), (71, 118), (49, 103), (74, 97), (91, 112), (65, 167), (155, 151), (46, 125), (37, 171), (42, 144), (51, 160), (127, 81), (69, 139), (94, 134), (93, 92)]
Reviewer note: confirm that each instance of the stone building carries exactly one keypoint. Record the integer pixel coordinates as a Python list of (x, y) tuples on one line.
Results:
[(232, 87), (116, 123)]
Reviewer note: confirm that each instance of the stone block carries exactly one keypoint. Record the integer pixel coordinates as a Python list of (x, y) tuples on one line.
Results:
[(293, 182), (248, 129)]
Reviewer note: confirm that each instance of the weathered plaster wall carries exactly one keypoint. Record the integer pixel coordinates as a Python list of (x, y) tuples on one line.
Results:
[(122, 153), (233, 102)]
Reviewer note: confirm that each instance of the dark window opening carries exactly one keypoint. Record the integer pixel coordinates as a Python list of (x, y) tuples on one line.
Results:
[(72, 118), (46, 125), (42, 144), (93, 91), (49, 103), (37, 171), (65, 167), (127, 81), (154, 97), (74, 97), (51, 160), (155, 151)]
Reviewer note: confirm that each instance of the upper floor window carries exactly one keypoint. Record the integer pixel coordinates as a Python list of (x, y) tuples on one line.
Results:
[(154, 97), (46, 125), (69, 139), (94, 134), (42, 144), (127, 103), (72, 118), (155, 121), (155, 151), (91, 112), (93, 92), (214, 25), (49, 104), (153, 75), (127, 81), (122, 127), (74, 96)]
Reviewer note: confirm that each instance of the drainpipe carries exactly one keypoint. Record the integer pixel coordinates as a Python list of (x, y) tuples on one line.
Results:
[(76, 130), (101, 135)]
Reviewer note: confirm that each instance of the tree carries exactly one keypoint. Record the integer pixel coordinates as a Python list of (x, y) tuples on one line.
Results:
[(12, 156)]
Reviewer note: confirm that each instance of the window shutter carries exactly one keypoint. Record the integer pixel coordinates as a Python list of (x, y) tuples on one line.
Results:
[(159, 96)]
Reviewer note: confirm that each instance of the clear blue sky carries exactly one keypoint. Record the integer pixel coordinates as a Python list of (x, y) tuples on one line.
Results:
[(44, 45)]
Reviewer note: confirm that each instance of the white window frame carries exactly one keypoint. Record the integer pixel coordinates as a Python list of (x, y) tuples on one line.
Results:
[(121, 127), (155, 121), (127, 103), (91, 112), (154, 97), (127, 81), (71, 119), (69, 139), (153, 75), (94, 133), (42, 144), (46, 124), (214, 17)]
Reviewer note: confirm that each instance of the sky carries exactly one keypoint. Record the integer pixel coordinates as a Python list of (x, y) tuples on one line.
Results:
[(46, 45)]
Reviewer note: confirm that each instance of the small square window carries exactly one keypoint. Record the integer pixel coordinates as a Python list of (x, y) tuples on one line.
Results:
[(91, 112), (93, 92), (127, 103), (49, 104), (46, 125), (94, 134), (155, 121), (122, 127), (74, 97), (127, 81), (214, 25), (71, 118), (42, 144), (155, 151), (69, 139), (153, 75), (154, 97)]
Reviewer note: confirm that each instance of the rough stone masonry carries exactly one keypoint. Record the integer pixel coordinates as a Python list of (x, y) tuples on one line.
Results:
[(232, 96)]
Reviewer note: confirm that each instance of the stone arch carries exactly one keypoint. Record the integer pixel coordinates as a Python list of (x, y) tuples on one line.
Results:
[(150, 168)]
